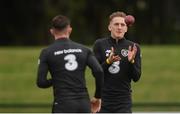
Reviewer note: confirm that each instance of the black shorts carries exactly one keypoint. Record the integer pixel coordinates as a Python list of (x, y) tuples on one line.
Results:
[(72, 106)]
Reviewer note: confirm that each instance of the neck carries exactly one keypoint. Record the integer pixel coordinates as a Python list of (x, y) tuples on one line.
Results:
[(117, 38), (61, 36)]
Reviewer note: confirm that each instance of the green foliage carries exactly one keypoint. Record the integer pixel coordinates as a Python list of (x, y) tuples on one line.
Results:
[(156, 21), (18, 69)]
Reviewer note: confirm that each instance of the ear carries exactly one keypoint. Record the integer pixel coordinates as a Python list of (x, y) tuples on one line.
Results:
[(51, 31), (109, 27), (69, 29)]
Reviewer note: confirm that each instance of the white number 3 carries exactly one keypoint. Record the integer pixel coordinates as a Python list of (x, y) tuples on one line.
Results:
[(71, 62)]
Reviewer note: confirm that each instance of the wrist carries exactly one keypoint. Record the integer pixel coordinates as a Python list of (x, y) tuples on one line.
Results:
[(96, 98), (107, 61), (132, 61)]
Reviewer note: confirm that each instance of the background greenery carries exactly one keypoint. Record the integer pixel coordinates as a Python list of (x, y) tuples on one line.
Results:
[(159, 82), (27, 22)]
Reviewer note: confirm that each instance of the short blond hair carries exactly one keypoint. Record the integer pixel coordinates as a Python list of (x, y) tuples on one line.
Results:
[(117, 14)]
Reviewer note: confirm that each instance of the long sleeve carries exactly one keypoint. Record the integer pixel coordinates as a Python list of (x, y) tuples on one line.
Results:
[(42, 80), (97, 52), (98, 74), (136, 67)]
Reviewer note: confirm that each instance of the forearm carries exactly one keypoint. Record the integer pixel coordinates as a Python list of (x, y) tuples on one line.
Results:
[(136, 72), (41, 83), (99, 84), (136, 66), (136, 69), (98, 74), (42, 80), (105, 65)]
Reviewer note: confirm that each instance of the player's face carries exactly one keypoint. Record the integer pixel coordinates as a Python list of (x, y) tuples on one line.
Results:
[(117, 27)]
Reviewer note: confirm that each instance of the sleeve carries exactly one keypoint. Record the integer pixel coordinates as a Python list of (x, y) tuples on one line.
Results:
[(42, 81), (97, 72), (136, 66), (97, 52)]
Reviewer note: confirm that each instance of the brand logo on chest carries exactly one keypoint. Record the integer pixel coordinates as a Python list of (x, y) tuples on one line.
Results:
[(107, 52), (124, 52)]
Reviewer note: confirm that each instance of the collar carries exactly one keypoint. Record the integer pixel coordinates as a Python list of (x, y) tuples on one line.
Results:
[(62, 39), (114, 40)]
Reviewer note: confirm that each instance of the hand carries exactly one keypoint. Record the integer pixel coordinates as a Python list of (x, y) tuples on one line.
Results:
[(95, 105), (132, 53), (113, 58)]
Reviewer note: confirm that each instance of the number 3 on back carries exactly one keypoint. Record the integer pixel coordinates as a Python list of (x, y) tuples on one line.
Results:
[(71, 64)]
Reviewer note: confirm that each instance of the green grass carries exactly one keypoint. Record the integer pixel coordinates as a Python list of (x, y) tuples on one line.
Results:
[(159, 81), (160, 75)]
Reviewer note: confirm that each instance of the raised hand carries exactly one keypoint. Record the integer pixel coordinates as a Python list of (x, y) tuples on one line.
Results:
[(112, 57), (132, 53)]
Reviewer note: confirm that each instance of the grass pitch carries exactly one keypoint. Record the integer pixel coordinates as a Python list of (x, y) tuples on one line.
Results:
[(18, 69)]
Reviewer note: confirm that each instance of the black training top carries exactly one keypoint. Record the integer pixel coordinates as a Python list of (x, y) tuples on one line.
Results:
[(117, 76), (66, 61)]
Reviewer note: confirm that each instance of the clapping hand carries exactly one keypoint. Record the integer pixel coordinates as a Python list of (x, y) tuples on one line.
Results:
[(132, 53), (112, 57)]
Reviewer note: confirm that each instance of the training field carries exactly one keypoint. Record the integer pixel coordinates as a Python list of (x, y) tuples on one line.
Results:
[(157, 90)]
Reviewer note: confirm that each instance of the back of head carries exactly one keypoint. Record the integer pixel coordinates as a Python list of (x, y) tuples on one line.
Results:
[(60, 22)]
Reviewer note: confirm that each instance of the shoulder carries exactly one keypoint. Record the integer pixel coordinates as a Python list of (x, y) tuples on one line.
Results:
[(47, 50), (44, 52), (129, 41), (132, 43), (101, 40), (81, 46)]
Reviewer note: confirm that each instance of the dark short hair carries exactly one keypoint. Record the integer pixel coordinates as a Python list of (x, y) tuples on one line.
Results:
[(117, 14), (60, 22)]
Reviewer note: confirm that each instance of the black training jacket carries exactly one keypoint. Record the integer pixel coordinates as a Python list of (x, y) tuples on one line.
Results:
[(117, 76), (66, 61)]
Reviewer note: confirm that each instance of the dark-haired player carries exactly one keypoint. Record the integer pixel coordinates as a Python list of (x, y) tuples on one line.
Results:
[(66, 61)]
